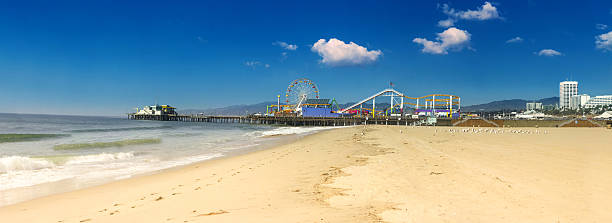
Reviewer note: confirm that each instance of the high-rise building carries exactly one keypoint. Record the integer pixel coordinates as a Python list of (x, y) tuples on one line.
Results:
[(567, 89)]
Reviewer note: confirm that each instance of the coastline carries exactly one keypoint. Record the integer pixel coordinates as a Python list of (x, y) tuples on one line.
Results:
[(281, 136), (364, 174)]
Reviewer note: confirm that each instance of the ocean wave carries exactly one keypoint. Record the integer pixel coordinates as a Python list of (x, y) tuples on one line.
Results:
[(96, 158), (18, 163), (287, 131), (15, 163), (120, 143), (27, 137), (123, 129)]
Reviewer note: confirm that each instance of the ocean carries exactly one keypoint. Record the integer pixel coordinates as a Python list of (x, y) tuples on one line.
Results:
[(46, 154)]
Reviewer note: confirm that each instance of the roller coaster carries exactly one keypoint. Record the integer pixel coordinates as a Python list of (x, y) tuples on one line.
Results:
[(429, 105), (305, 93)]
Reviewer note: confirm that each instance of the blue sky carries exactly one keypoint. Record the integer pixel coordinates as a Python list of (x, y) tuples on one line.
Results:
[(106, 57)]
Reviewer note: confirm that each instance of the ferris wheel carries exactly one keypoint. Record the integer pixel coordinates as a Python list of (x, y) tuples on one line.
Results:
[(301, 88)]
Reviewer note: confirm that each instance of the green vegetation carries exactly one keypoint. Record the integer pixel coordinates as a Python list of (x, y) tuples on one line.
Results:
[(120, 143), (26, 137)]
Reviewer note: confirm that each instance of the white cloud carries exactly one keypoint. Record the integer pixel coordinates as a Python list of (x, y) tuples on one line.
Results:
[(601, 26), (285, 45), (283, 56), (604, 41), (446, 23), (337, 53), (254, 64), (517, 39), (549, 53), (452, 38), (485, 12)]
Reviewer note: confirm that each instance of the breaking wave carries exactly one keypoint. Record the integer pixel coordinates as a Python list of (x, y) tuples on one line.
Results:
[(287, 131), (15, 163), (18, 163)]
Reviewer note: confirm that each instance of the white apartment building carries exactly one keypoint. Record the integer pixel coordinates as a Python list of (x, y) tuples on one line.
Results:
[(579, 101), (567, 89), (599, 100), (533, 106)]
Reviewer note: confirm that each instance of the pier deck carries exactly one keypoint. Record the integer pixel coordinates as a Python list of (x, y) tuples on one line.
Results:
[(290, 121), (346, 121)]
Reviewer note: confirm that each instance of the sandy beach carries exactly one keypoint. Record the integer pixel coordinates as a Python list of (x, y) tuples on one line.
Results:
[(367, 174)]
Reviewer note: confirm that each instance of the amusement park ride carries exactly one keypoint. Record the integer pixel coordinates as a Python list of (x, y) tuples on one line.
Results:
[(303, 94)]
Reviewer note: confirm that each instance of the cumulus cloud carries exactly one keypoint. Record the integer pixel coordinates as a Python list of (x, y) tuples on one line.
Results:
[(452, 38), (604, 41), (485, 12), (517, 39), (601, 26), (549, 53), (285, 45), (337, 53)]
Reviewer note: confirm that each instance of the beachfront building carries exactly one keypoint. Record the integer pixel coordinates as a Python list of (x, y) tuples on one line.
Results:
[(579, 101), (567, 89), (157, 110), (533, 106), (603, 100)]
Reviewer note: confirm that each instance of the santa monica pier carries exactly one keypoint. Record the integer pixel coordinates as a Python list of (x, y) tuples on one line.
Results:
[(301, 105)]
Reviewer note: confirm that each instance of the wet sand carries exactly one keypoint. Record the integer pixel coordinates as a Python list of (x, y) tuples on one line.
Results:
[(367, 174)]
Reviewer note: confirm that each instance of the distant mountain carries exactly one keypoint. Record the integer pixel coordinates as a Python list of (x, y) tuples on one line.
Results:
[(513, 104), (230, 110), (257, 108)]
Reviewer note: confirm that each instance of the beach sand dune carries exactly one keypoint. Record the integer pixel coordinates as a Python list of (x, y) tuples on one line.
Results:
[(367, 174)]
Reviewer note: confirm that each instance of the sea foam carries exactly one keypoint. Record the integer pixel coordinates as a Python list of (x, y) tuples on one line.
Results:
[(16, 163)]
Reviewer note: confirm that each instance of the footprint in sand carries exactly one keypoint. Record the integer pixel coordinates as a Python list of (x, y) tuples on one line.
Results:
[(213, 213)]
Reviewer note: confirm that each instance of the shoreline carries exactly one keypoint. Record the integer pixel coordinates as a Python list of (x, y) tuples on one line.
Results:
[(364, 174), (67, 185)]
